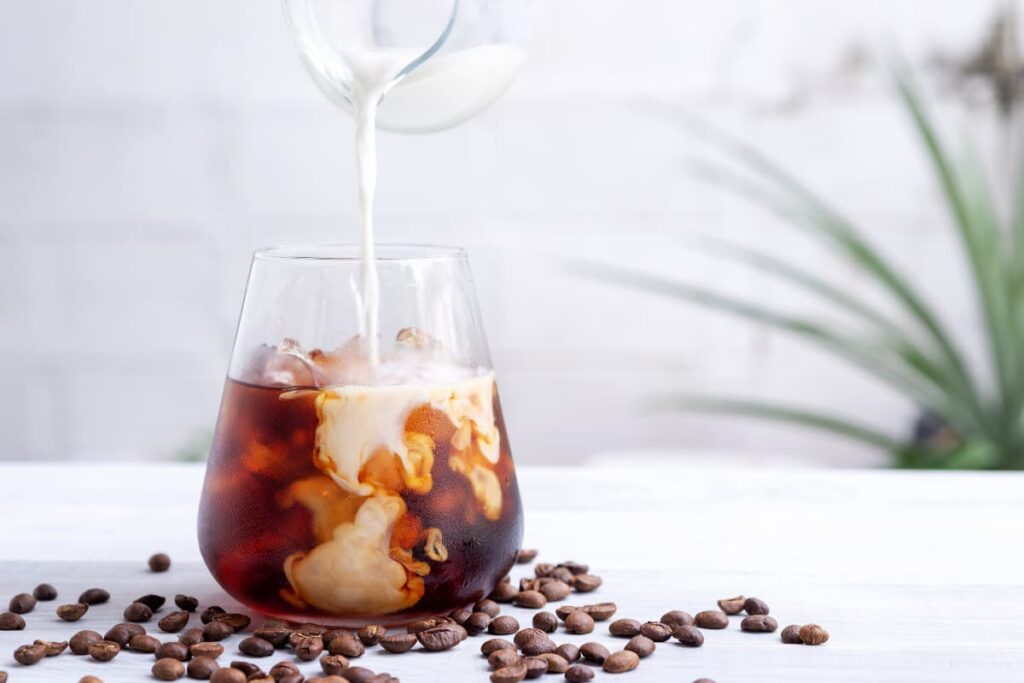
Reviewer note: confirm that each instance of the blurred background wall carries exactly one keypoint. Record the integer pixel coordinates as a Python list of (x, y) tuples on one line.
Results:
[(147, 147)]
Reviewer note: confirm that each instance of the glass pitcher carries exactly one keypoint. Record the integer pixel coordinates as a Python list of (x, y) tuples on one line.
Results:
[(340, 493), (444, 60)]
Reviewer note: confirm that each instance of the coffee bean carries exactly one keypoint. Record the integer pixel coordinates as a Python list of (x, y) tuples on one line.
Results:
[(642, 645), (118, 634), (624, 628), (104, 651), (502, 658), (503, 625), (535, 666), (152, 601), (137, 612), (812, 634), (594, 652), (543, 569), (131, 629), (488, 607), (216, 630), (688, 635), (307, 648), (275, 635), (359, 674), (398, 643), (278, 671), (9, 621), (22, 603), (556, 590), (143, 643), (564, 611), (371, 633), (656, 631), (423, 625), (575, 568), (80, 642), (755, 606), (160, 562), (186, 602), (676, 617), (525, 555), (568, 652), (621, 662), (439, 638), (83, 679), (53, 647), (586, 583), (168, 669), (226, 674), (528, 599), (601, 611), (173, 622), (513, 673), (237, 622), (177, 651), (211, 650), (578, 673), (257, 647), (579, 622), (545, 621), (191, 636), (210, 612), (477, 623), (527, 635), (333, 665), (202, 668), (94, 596), (538, 646), (44, 592), (347, 645), (495, 644), (461, 615), (504, 592), (704, 680), (759, 623), (791, 635), (72, 612), (30, 654), (711, 618), (731, 605)]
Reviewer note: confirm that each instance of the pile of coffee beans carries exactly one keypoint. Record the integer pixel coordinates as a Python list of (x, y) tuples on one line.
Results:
[(531, 653)]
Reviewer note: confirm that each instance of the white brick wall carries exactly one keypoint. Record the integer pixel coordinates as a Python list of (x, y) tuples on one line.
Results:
[(147, 147)]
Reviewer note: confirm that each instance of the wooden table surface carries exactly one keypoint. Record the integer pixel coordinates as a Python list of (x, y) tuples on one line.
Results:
[(918, 576)]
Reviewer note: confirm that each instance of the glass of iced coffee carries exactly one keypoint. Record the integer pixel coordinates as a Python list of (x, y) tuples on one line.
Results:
[(360, 471)]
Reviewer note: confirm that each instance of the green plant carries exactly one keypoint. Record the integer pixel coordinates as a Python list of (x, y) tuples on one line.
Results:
[(980, 425)]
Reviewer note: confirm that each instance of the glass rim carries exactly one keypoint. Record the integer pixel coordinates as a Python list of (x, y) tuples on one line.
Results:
[(352, 252)]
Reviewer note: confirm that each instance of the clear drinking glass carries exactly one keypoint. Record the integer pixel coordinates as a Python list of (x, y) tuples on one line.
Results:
[(343, 492)]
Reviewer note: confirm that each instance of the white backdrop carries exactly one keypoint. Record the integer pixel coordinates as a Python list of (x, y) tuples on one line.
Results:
[(147, 147)]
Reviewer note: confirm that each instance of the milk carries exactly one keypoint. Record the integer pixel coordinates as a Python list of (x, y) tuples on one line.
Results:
[(439, 93)]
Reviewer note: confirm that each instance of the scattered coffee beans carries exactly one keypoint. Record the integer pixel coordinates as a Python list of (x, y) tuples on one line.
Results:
[(72, 612), (712, 618), (81, 641), (44, 592), (578, 673), (186, 602), (22, 603), (594, 652), (30, 654), (624, 628), (104, 651), (791, 635), (641, 645), (688, 635), (201, 668), (759, 623), (160, 562), (731, 606), (656, 631), (755, 606), (9, 621), (812, 634), (168, 669), (621, 662), (397, 643), (173, 622), (94, 596)]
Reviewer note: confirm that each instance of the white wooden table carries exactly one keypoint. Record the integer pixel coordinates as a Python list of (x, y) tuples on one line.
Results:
[(918, 576)]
